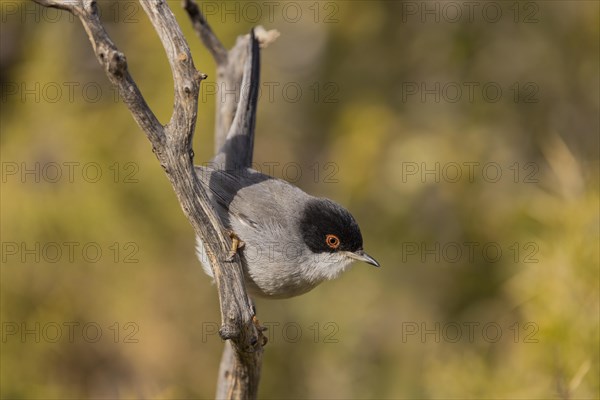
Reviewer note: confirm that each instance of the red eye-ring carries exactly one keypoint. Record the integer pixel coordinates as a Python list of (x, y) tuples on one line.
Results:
[(332, 241)]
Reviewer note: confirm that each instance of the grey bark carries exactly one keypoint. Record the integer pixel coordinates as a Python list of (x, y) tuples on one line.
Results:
[(172, 144)]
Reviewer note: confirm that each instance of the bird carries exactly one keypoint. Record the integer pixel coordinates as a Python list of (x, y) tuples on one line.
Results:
[(288, 241)]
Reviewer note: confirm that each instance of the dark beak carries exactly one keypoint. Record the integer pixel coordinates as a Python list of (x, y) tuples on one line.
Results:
[(360, 255)]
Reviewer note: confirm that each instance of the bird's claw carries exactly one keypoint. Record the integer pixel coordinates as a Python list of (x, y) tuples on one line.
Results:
[(257, 324), (260, 330), (236, 244)]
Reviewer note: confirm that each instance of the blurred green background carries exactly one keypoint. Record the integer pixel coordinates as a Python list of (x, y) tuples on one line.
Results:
[(463, 136)]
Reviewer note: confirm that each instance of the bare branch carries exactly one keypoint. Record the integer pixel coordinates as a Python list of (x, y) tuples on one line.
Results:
[(232, 384), (203, 30), (72, 6), (229, 78), (237, 150), (186, 78), (114, 64), (237, 70), (229, 71), (237, 314), (172, 145)]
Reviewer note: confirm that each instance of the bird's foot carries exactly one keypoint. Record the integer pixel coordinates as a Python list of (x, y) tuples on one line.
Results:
[(260, 330), (236, 244)]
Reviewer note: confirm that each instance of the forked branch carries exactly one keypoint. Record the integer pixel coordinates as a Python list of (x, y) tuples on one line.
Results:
[(231, 67), (172, 145), (114, 64)]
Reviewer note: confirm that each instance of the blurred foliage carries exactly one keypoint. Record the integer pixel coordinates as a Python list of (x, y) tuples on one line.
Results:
[(520, 324)]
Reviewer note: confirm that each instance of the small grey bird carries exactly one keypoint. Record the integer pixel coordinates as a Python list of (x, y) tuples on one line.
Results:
[(291, 241)]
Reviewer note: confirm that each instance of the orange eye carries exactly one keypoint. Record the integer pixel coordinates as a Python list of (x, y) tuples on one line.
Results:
[(332, 241)]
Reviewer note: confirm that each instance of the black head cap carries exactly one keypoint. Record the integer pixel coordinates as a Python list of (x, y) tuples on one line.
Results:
[(328, 227)]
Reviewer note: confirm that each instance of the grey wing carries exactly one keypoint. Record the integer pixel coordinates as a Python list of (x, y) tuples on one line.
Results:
[(252, 198)]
